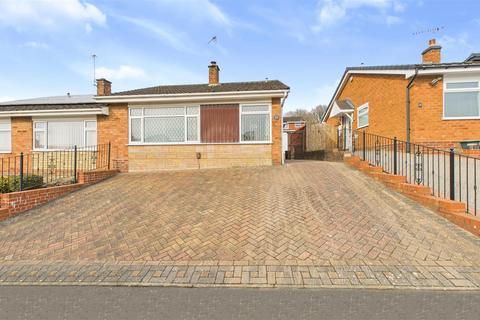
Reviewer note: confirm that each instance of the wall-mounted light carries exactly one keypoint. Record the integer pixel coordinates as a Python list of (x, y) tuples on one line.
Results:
[(420, 105), (435, 81)]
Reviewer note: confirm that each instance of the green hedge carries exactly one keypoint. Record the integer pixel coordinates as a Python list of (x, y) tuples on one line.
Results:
[(12, 183)]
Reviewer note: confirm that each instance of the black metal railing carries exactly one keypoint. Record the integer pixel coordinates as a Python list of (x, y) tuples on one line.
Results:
[(48, 168), (450, 175)]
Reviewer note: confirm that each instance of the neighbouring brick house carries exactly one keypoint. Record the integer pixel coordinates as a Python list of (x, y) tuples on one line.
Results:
[(293, 123), (432, 103), (208, 125)]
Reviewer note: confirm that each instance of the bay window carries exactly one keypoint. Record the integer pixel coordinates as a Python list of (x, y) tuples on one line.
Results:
[(64, 134), (164, 124), (5, 135), (462, 100), (255, 123)]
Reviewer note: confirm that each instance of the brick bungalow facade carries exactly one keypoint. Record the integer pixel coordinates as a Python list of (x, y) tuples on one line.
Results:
[(432, 103), (208, 125)]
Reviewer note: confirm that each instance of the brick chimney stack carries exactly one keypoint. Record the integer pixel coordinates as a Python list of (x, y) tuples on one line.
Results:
[(213, 73), (433, 53), (104, 87)]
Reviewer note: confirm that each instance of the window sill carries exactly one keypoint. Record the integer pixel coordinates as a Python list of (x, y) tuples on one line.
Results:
[(5, 152), (362, 126), (195, 143), (461, 118)]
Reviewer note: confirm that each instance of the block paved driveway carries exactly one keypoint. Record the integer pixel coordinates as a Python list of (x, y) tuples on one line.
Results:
[(307, 224)]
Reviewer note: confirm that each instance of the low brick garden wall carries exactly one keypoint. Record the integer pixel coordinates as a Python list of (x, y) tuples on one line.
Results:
[(453, 211), (16, 202)]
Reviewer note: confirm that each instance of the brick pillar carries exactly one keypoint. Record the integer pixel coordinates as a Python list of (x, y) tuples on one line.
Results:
[(276, 131)]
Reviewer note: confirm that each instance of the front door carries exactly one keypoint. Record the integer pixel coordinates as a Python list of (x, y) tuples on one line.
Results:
[(347, 132)]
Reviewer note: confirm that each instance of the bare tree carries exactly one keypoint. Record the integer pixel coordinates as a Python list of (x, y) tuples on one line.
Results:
[(312, 116)]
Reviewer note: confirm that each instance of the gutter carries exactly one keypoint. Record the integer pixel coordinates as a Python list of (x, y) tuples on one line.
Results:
[(285, 96), (409, 85)]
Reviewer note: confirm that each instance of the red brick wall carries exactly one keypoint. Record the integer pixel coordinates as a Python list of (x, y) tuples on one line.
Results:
[(427, 124), (91, 177), (386, 98), (17, 202), (114, 129), (276, 131)]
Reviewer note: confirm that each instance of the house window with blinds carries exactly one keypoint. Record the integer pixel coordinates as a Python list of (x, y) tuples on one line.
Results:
[(255, 123), (64, 134), (164, 125)]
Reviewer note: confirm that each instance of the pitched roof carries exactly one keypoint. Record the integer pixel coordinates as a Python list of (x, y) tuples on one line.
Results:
[(68, 102), (206, 88), (67, 99), (293, 118), (474, 57)]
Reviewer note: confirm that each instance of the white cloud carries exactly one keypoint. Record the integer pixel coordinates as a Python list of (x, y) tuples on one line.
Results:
[(392, 20), (332, 12), (50, 14), (173, 38), (120, 73), (6, 99), (461, 40), (35, 45), (205, 9)]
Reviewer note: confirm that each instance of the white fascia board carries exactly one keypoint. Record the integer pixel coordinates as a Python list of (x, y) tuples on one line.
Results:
[(197, 97), (404, 72), (451, 70), (58, 112)]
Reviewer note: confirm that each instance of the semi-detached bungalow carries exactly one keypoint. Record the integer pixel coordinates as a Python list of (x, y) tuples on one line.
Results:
[(210, 125), (431, 103)]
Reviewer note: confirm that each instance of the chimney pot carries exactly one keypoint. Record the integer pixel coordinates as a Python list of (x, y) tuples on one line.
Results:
[(104, 87), (213, 73)]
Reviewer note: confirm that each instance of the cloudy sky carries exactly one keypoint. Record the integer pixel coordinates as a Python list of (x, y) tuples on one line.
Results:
[(46, 45)]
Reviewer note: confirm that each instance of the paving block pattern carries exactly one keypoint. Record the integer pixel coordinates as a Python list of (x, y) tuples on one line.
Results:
[(305, 224)]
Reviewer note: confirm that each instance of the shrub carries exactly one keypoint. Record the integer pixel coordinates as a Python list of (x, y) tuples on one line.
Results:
[(12, 183)]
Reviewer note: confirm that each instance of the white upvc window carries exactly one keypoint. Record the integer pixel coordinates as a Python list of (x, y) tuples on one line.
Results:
[(64, 134), (255, 120), (5, 135), (164, 125), (461, 99), (362, 115)]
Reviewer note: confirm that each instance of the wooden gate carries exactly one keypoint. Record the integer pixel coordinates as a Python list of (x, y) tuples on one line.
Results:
[(296, 144)]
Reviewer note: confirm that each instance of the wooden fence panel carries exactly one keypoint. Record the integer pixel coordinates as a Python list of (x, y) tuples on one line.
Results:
[(320, 136)]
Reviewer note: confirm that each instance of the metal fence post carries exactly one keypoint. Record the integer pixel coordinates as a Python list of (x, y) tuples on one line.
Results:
[(395, 165), (364, 147), (452, 174), (75, 164), (21, 171), (109, 148)]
